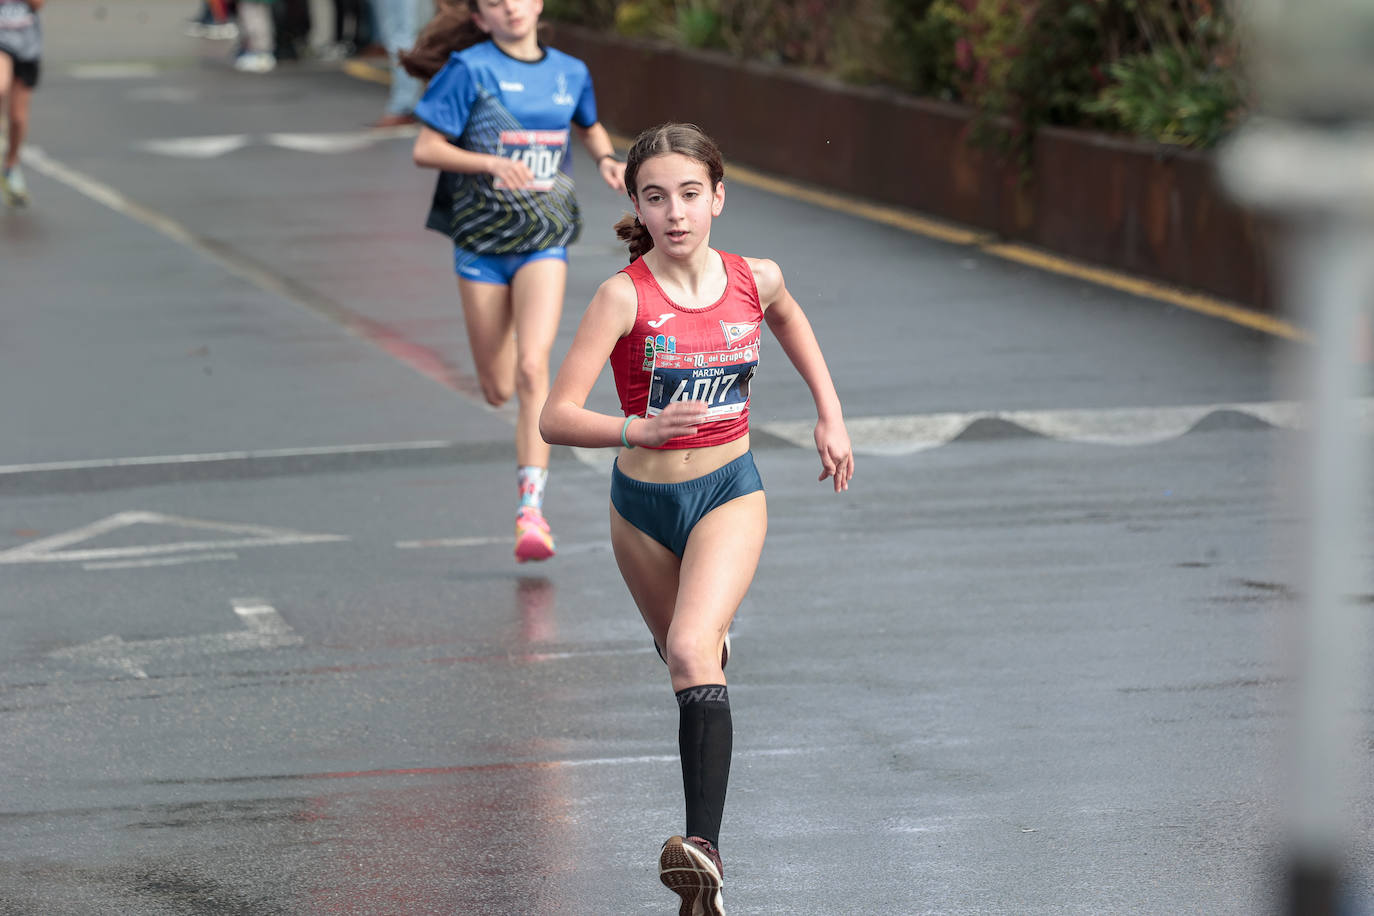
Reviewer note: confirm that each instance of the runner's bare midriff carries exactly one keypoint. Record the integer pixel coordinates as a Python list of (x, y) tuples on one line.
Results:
[(654, 465)]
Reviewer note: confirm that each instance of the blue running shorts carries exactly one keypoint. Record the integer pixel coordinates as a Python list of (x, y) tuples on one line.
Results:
[(498, 268), (667, 512)]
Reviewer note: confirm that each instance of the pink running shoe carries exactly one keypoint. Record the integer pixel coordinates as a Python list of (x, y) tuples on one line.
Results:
[(533, 541), (691, 868)]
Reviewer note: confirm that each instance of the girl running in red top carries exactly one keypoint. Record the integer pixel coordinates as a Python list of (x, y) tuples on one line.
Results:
[(681, 329)]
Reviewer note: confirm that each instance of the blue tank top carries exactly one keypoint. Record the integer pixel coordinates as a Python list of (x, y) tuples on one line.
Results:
[(486, 101)]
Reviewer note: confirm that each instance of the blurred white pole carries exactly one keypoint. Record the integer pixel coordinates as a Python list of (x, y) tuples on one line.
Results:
[(1313, 163), (1334, 264)]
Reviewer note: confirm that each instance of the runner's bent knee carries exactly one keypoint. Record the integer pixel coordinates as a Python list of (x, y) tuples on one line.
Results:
[(495, 390), (694, 654)]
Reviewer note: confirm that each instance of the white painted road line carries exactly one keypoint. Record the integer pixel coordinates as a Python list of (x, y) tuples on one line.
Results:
[(113, 71), (422, 359), (212, 146), (598, 459), (97, 464), (265, 630), (163, 561), (442, 543), (454, 542), (674, 758), (260, 617), (347, 142), (51, 549), (1123, 426)]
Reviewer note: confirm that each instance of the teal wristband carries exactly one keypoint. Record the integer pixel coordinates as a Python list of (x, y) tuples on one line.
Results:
[(624, 429)]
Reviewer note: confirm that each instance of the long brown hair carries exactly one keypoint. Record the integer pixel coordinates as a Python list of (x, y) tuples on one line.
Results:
[(452, 29), (686, 139)]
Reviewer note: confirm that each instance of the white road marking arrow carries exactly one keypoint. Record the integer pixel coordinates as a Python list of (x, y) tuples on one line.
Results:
[(197, 147), (266, 630), (51, 549), (212, 146), (340, 142)]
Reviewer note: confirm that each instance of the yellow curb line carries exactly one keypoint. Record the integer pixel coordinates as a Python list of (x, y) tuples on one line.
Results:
[(891, 216), (944, 232), (364, 71), (872, 212), (1195, 302)]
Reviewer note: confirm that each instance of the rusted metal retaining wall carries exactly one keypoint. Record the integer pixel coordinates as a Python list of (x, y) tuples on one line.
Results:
[(1153, 211)]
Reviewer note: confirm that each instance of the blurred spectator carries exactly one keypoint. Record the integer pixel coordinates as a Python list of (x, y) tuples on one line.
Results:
[(400, 22), (259, 38), (291, 20), (21, 52), (215, 20), (354, 29)]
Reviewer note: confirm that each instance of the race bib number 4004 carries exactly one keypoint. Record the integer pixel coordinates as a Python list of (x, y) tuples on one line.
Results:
[(542, 152), (721, 379)]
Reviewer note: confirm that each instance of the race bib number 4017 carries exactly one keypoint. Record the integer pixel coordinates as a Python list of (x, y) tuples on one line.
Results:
[(720, 379), (540, 150)]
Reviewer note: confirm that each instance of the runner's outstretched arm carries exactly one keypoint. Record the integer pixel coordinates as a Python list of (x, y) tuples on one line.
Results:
[(792, 329)]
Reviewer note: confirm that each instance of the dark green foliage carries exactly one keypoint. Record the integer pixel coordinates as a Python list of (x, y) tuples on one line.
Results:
[(1172, 96), (594, 13), (1162, 70), (920, 48)]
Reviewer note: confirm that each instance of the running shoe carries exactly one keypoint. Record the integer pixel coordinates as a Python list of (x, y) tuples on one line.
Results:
[(691, 868), (533, 541), (15, 189), (724, 652), (255, 62)]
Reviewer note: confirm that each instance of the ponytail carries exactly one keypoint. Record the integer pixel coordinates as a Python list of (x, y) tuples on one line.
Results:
[(634, 233), (452, 29)]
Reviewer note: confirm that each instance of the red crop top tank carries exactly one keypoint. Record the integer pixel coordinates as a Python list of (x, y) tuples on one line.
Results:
[(680, 354)]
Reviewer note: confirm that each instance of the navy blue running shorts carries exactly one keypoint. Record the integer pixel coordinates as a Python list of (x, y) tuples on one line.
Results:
[(667, 512)]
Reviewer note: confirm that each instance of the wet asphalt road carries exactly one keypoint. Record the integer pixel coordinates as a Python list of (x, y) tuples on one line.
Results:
[(300, 674)]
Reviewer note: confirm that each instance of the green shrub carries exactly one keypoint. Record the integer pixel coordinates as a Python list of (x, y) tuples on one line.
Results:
[(699, 24), (597, 14), (1059, 68), (1179, 82), (920, 48), (1163, 70), (639, 20), (1171, 96)]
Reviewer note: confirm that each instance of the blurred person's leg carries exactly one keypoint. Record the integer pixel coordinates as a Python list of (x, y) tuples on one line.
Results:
[(17, 82), (6, 79), (322, 25), (20, 96), (369, 35), (400, 22), (291, 20), (215, 20), (255, 21), (343, 22)]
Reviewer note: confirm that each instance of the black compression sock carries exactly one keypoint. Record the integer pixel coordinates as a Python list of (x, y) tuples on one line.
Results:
[(705, 737)]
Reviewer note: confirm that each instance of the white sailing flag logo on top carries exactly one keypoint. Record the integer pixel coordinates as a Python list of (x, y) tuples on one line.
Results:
[(735, 331)]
